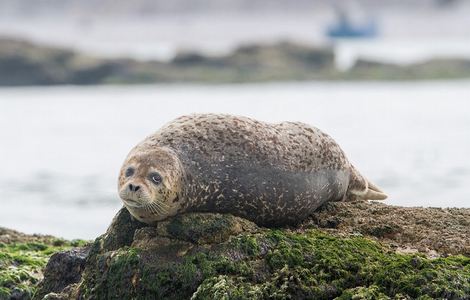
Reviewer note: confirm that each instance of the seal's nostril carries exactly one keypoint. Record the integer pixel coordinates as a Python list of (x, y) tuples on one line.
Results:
[(133, 188)]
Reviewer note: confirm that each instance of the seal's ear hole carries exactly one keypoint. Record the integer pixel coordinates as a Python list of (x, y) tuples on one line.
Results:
[(155, 177)]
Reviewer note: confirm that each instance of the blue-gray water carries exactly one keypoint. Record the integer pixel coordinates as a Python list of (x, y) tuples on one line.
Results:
[(61, 147)]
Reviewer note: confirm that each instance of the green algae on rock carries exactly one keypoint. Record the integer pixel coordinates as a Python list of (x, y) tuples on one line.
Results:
[(22, 259), (214, 256), (431, 231)]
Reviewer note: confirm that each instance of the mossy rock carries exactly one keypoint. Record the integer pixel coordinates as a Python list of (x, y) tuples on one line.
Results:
[(204, 228), (22, 259), (214, 256)]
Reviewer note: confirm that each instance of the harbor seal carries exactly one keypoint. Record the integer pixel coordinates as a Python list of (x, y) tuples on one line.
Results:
[(272, 174)]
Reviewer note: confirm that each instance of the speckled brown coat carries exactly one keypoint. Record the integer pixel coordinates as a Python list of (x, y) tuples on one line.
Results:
[(272, 174)]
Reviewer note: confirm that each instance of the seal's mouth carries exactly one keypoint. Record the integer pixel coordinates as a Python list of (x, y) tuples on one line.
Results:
[(155, 207), (131, 202), (134, 200)]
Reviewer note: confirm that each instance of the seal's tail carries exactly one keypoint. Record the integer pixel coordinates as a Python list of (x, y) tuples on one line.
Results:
[(362, 189)]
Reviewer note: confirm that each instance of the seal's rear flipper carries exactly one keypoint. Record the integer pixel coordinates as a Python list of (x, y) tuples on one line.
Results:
[(372, 194), (366, 194), (362, 189), (373, 187)]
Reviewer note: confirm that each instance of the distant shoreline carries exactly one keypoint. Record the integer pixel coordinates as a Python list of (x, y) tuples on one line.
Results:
[(23, 63)]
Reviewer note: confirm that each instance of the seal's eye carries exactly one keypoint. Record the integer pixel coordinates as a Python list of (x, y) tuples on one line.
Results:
[(156, 178), (129, 172)]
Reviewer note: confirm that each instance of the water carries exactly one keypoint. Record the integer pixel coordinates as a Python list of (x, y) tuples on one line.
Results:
[(407, 34), (62, 147)]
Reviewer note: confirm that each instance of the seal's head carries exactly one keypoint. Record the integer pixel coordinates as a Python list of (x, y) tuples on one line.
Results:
[(150, 184)]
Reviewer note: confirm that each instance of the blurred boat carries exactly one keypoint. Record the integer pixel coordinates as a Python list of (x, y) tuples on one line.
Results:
[(346, 28)]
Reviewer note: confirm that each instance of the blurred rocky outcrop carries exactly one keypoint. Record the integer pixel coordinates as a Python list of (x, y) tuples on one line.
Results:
[(24, 63)]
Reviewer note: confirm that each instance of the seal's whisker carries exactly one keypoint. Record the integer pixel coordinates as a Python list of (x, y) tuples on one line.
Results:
[(156, 209), (163, 209), (152, 209), (160, 206), (155, 204), (146, 207)]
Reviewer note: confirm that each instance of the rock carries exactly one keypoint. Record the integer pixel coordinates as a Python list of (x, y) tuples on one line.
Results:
[(160, 259), (204, 228), (63, 269), (8, 236), (121, 231), (429, 230), (216, 256), (25, 63)]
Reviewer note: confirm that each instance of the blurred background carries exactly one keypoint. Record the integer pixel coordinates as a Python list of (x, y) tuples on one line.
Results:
[(83, 81)]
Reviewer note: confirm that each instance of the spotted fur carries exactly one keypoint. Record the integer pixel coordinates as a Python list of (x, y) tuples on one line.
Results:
[(272, 174)]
